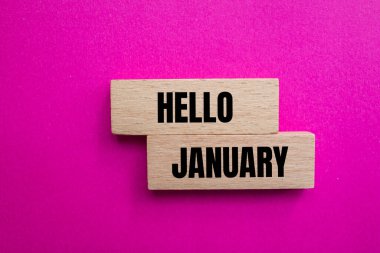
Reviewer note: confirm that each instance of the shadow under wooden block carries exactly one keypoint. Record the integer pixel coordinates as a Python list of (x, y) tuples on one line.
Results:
[(277, 161)]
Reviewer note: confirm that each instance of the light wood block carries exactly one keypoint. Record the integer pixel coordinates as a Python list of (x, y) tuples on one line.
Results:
[(135, 106), (293, 168)]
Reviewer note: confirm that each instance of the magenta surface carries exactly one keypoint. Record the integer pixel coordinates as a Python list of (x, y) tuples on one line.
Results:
[(68, 185)]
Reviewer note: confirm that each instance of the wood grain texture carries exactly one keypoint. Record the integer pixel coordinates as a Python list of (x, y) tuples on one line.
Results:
[(255, 106), (163, 151)]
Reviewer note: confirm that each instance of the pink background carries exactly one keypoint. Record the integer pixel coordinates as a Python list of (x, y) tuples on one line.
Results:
[(68, 185)]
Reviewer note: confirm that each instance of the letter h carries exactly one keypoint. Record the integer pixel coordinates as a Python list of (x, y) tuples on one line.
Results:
[(162, 106)]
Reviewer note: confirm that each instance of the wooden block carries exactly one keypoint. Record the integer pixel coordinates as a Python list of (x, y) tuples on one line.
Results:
[(205, 106), (276, 161)]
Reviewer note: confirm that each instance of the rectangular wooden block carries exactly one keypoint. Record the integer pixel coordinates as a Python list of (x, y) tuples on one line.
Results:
[(190, 106), (276, 161)]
